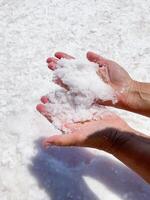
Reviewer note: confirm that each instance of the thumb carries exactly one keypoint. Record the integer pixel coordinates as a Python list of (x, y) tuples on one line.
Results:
[(60, 140), (103, 64), (93, 57)]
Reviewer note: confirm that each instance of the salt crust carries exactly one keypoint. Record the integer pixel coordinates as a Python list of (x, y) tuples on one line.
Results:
[(85, 87), (30, 31)]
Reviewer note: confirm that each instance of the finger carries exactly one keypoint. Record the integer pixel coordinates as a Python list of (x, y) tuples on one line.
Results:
[(42, 109), (51, 59), (52, 62), (60, 140), (59, 82), (44, 99), (60, 55), (93, 57), (103, 102), (52, 65)]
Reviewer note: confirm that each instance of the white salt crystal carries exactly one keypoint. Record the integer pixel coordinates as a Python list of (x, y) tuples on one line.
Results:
[(85, 86)]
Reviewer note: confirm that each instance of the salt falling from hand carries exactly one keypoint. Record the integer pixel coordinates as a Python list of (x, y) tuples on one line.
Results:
[(85, 86)]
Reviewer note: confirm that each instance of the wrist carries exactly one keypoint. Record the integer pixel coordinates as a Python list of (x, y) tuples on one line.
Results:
[(130, 98), (132, 94), (139, 98), (135, 98)]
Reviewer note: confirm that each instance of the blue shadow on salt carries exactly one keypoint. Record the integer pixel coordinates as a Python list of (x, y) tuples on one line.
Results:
[(60, 171)]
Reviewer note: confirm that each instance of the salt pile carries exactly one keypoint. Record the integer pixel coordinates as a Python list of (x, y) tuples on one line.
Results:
[(76, 104)]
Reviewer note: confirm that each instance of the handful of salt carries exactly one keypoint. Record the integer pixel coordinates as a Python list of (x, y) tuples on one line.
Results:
[(85, 86)]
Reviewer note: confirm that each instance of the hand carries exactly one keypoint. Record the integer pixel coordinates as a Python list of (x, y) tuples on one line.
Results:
[(131, 95), (112, 74), (52, 63), (102, 133), (98, 134), (109, 133)]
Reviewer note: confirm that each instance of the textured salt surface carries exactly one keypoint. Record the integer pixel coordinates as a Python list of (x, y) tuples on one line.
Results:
[(85, 87), (31, 31)]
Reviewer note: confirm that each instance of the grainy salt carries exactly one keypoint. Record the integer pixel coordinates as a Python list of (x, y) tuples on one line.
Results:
[(85, 86)]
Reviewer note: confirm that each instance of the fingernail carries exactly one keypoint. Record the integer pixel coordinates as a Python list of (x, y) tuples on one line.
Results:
[(48, 60)]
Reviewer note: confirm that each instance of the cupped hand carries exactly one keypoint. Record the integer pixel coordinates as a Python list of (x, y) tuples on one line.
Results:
[(119, 79), (100, 133), (111, 73)]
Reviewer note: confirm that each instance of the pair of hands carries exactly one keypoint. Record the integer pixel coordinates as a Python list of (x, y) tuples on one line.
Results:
[(83, 134)]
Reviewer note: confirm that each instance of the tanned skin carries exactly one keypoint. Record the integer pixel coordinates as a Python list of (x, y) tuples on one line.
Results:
[(109, 133)]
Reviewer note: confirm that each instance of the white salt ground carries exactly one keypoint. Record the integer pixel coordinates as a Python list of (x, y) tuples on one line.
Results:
[(30, 31), (85, 87)]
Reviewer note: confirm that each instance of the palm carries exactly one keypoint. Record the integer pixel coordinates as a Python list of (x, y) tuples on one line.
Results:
[(114, 75), (85, 134), (117, 76)]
